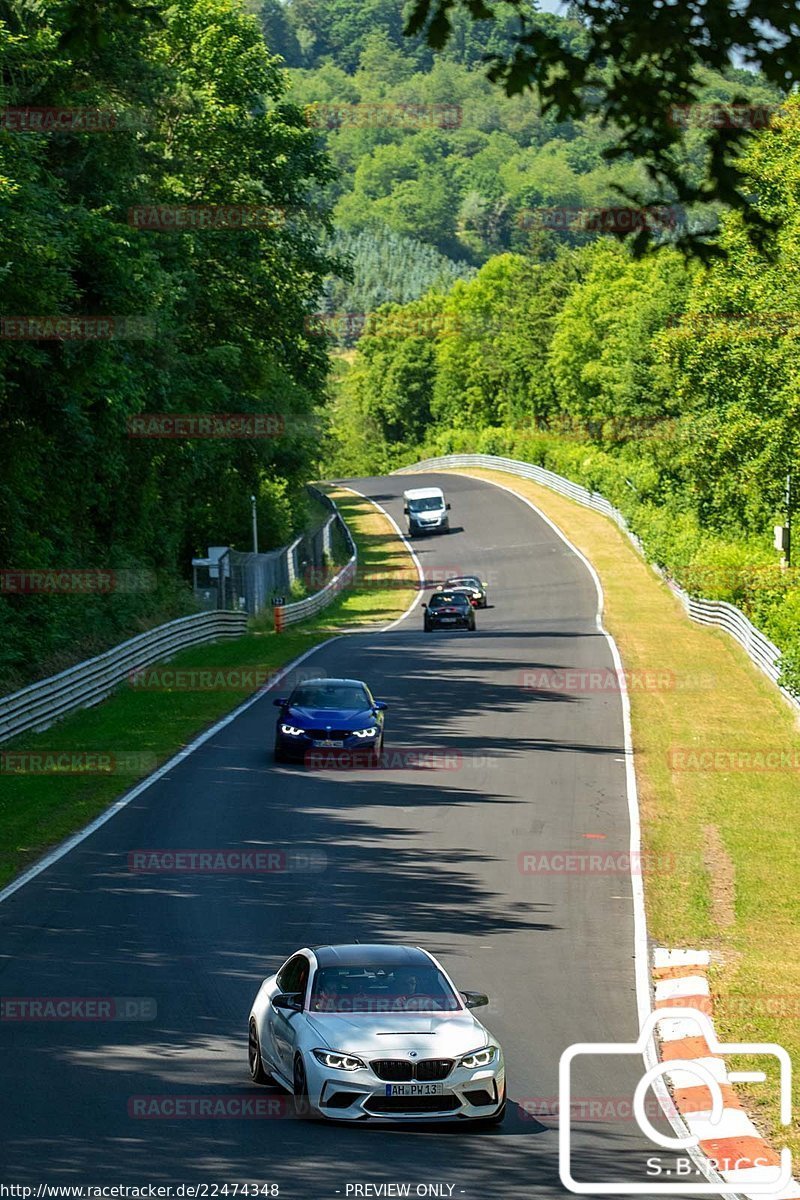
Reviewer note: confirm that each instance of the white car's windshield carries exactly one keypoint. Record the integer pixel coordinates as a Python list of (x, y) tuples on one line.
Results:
[(430, 504), (343, 989)]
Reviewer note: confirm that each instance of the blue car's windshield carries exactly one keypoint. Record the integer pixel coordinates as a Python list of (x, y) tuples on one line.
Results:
[(330, 695)]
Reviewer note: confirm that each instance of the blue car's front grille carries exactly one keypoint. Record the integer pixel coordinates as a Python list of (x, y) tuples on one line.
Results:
[(334, 735)]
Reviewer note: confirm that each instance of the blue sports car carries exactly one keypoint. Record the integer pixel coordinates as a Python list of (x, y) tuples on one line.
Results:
[(328, 714)]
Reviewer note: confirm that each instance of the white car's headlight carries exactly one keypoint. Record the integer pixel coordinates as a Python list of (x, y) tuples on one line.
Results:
[(292, 730), (367, 733), (339, 1062), (479, 1058)]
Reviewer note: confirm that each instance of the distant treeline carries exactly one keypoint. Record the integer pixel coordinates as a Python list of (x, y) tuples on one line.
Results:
[(670, 387)]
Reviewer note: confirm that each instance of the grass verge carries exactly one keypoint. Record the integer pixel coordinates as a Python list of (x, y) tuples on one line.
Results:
[(726, 839), (39, 810)]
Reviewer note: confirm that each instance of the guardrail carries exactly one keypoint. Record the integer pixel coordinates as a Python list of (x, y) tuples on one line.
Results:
[(761, 651), (39, 705), (300, 610)]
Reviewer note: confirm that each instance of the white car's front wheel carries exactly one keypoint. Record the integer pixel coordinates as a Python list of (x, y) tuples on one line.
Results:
[(302, 1104), (257, 1072)]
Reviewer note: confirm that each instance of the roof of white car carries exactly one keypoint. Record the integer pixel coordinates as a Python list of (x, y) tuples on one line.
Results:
[(371, 955), (423, 493)]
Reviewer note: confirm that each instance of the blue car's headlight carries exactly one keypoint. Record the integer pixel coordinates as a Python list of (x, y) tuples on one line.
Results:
[(292, 730), (366, 733), (337, 1061), (479, 1058)]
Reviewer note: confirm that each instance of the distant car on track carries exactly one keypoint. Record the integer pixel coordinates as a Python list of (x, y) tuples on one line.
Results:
[(426, 509), (449, 610), (375, 1032), (473, 585), (322, 714)]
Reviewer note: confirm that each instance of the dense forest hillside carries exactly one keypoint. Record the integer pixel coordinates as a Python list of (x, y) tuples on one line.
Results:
[(176, 306), (667, 385), (426, 147)]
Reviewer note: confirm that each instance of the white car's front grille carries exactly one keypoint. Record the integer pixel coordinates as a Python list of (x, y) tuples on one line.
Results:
[(401, 1070)]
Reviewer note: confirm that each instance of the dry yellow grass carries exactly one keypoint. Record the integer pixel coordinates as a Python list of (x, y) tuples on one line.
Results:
[(387, 579), (706, 695)]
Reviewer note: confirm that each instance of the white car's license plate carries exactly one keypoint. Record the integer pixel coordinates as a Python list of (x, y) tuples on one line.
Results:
[(415, 1089), (328, 742)]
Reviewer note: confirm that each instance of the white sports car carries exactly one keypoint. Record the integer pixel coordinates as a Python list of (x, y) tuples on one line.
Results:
[(375, 1033)]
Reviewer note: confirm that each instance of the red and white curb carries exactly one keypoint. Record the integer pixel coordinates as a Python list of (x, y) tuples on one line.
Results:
[(733, 1144)]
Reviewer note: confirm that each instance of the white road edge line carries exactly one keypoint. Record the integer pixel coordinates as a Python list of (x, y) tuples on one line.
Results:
[(75, 840), (406, 543), (641, 955)]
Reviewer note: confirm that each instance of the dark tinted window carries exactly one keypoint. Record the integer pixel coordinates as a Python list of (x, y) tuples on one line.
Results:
[(377, 989), (429, 504), (294, 976), (330, 695), (449, 599)]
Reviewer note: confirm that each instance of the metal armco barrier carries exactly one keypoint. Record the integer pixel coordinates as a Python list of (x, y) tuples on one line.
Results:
[(39, 705), (290, 614), (758, 647)]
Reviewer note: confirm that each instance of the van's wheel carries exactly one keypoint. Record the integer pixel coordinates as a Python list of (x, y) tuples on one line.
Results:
[(257, 1072)]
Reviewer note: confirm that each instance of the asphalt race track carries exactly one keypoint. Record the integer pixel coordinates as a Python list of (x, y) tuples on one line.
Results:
[(426, 851)]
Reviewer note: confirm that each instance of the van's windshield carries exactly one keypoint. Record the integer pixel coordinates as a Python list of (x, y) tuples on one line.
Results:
[(429, 504)]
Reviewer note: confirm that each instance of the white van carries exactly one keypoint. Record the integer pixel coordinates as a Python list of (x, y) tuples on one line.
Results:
[(426, 509)]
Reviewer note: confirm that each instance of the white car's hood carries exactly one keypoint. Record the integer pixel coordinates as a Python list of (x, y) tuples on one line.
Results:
[(427, 1035)]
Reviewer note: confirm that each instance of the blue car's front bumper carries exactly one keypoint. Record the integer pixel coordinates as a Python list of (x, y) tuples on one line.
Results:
[(301, 747)]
